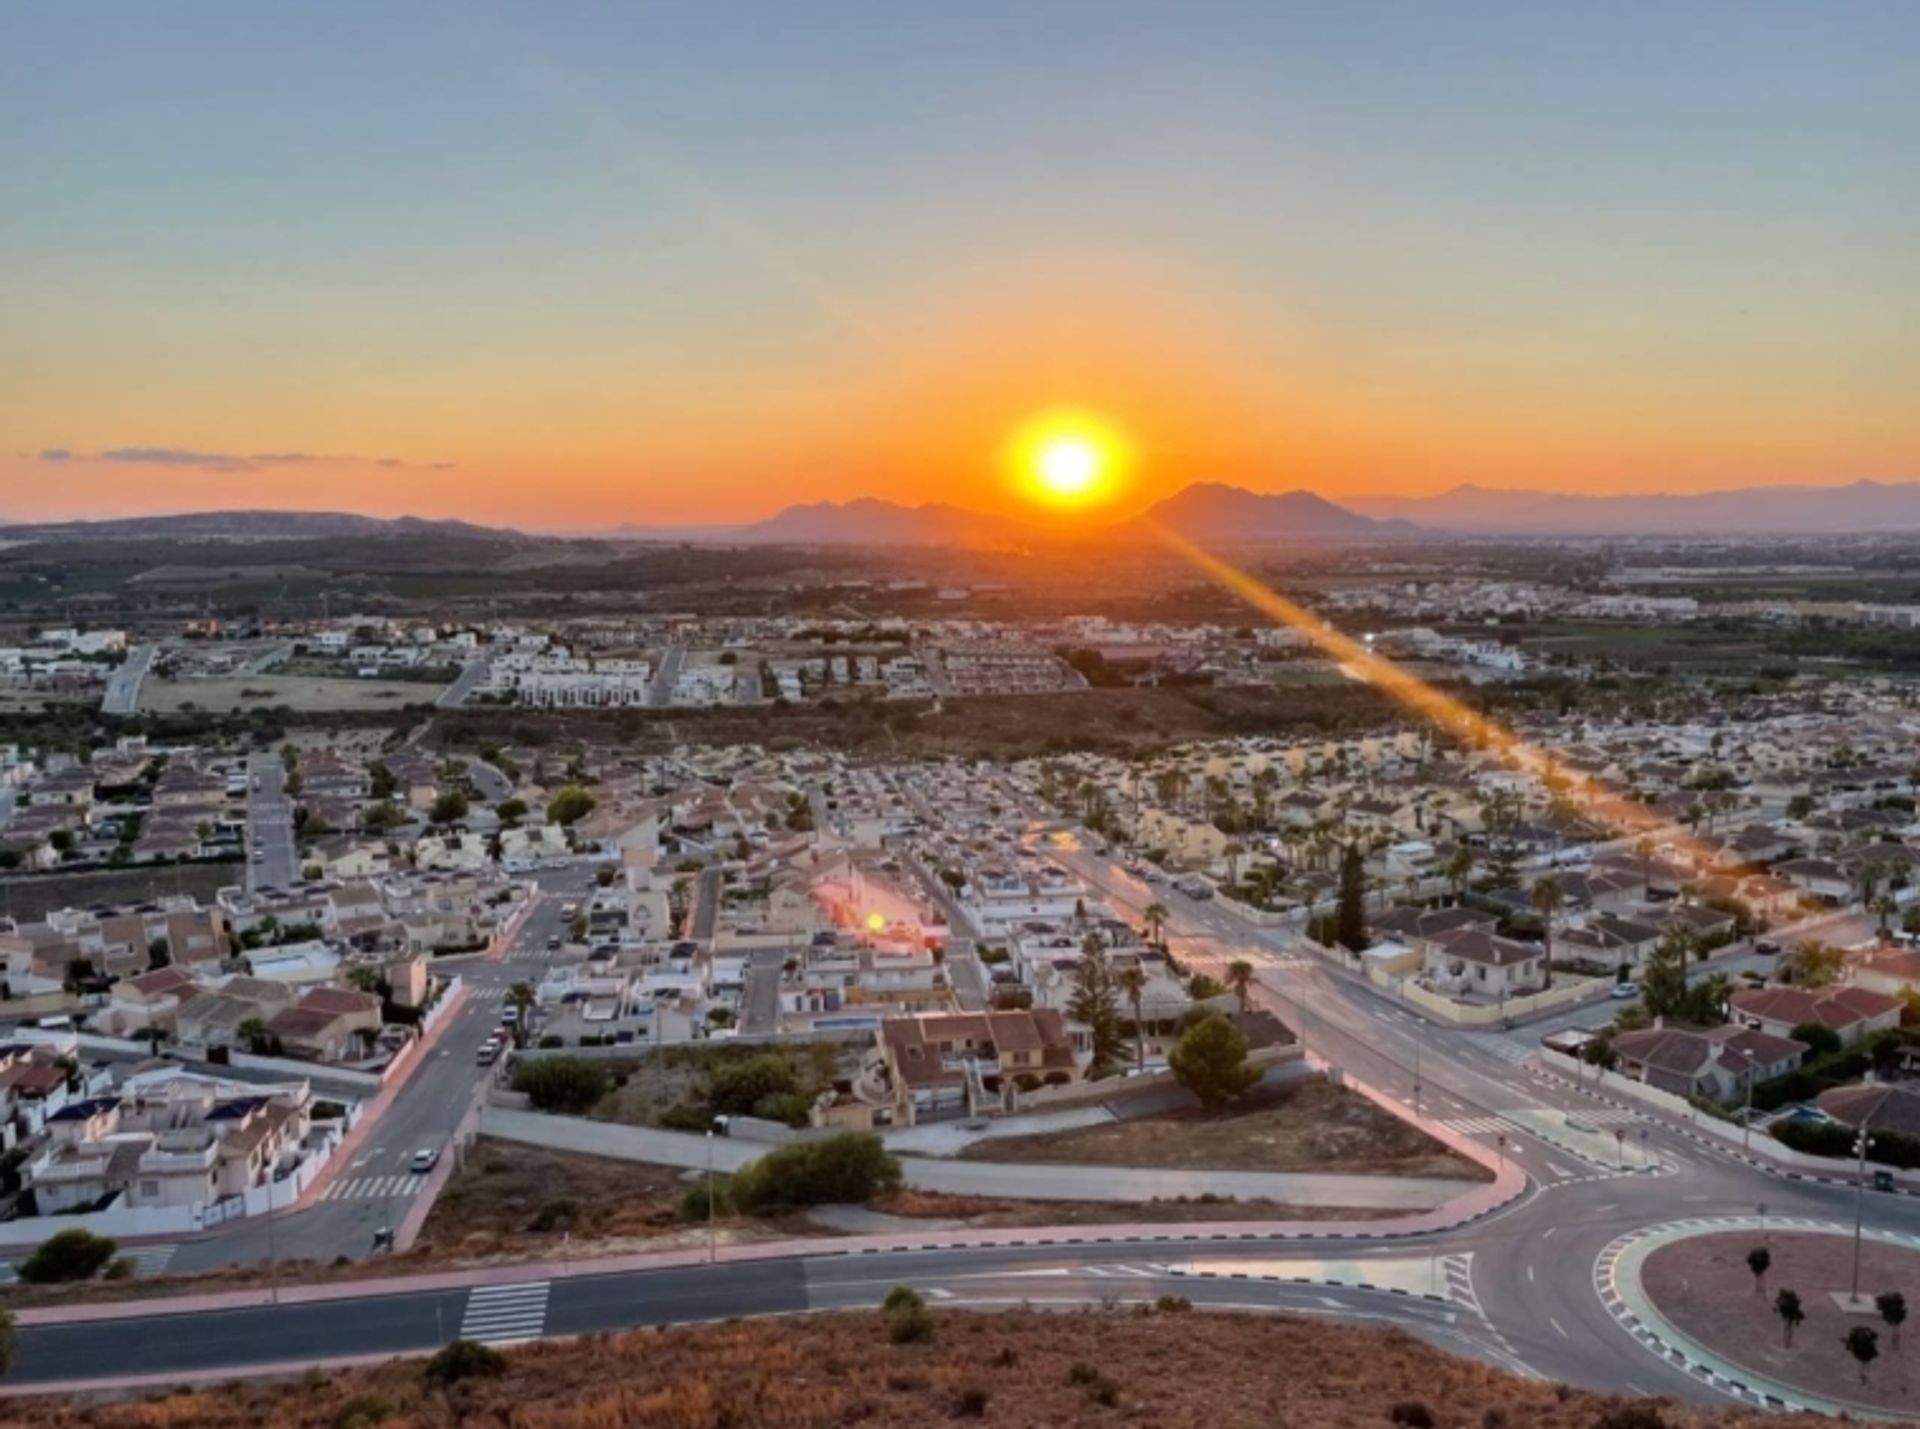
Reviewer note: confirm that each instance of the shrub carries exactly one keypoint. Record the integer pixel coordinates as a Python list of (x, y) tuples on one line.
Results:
[(695, 1208), (738, 1089), (972, 1403), (911, 1327), (850, 1167), (902, 1297), (67, 1255), (364, 1411), (569, 1085), (465, 1359), (1631, 1416), (1173, 1304), (1412, 1414), (121, 1267)]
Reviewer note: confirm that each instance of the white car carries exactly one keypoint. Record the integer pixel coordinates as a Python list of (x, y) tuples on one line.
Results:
[(1625, 991), (425, 1159)]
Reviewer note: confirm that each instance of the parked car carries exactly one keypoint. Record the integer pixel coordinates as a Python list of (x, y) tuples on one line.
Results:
[(1766, 946), (1626, 991), (489, 1053)]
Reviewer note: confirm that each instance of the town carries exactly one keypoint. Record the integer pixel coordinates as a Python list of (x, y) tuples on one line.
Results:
[(283, 982)]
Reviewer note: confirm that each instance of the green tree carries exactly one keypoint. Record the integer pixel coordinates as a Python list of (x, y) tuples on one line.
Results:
[(450, 807), (1351, 925), (1758, 1261), (571, 1086), (569, 806), (67, 1255), (1546, 899), (511, 811), (1788, 1307), (1156, 916), (1240, 979), (1095, 1004), (1892, 1306), (1210, 1061), (1459, 871), (521, 998), (1132, 983), (1863, 1343)]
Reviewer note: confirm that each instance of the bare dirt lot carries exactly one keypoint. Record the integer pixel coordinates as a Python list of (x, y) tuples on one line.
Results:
[(1308, 1125), (312, 694), (1018, 1369), (1703, 1286)]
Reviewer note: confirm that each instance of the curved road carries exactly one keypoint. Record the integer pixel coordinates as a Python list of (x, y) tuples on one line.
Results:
[(1514, 1288)]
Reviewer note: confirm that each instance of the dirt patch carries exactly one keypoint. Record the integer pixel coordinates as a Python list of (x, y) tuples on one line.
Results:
[(297, 692), (990, 1212), (1703, 1286), (1306, 1125), (1017, 1370)]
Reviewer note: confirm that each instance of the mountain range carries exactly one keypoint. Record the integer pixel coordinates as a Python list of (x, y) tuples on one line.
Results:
[(1859, 507), (1212, 513)]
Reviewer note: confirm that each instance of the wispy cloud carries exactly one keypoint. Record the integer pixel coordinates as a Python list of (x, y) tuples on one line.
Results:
[(229, 461)]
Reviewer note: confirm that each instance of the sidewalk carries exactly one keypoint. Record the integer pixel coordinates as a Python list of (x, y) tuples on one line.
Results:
[(1031, 1182), (1463, 1210)]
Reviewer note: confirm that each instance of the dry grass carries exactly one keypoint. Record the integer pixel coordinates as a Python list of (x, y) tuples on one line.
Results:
[(1307, 1125), (1021, 1370), (300, 692)]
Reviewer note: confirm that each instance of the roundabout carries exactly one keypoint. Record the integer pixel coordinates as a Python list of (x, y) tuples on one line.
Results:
[(1762, 1310)]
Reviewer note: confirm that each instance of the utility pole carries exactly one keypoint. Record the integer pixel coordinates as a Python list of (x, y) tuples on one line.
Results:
[(711, 1249)]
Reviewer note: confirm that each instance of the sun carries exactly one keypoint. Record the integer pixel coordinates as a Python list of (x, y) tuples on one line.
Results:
[(1068, 460), (1069, 465)]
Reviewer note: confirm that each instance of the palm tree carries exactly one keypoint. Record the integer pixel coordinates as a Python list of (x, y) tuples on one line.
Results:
[(1156, 916), (520, 997), (1459, 871), (1233, 852), (1240, 979), (1643, 850), (1132, 982), (1546, 899)]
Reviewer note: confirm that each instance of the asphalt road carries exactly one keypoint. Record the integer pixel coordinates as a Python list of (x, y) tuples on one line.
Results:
[(272, 859), (122, 695), (375, 1188), (1518, 1283)]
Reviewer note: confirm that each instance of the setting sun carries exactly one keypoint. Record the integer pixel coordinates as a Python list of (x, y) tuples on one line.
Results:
[(1069, 459)]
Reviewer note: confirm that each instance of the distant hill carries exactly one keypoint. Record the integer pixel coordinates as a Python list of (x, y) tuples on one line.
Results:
[(1209, 511), (1227, 515), (873, 522), (1863, 506), (255, 526)]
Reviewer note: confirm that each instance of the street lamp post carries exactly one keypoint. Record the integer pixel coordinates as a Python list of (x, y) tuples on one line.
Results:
[(1416, 1081), (1859, 1208), (1746, 1118), (711, 1233)]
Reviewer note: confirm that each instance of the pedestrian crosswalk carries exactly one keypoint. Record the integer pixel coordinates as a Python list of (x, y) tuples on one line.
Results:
[(150, 1259), (1124, 1272), (369, 1188), (1514, 1052), (1478, 1125), (506, 1314)]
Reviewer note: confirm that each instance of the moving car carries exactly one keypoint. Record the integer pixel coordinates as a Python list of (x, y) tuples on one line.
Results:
[(425, 1159), (1625, 991)]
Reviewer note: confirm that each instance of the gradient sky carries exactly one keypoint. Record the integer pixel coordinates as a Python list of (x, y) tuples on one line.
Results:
[(566, 264)]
